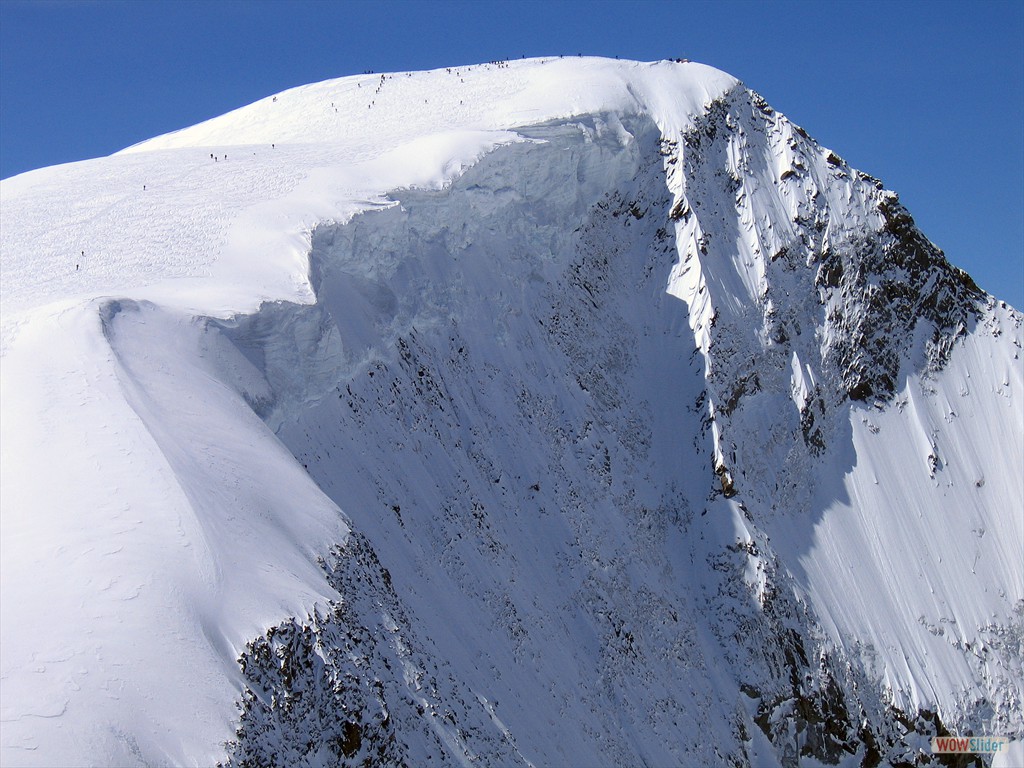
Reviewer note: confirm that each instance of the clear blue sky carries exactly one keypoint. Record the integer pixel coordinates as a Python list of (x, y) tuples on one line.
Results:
[(928, 96)]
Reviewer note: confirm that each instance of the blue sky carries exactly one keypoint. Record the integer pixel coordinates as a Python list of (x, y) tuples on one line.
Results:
[(928, 96)]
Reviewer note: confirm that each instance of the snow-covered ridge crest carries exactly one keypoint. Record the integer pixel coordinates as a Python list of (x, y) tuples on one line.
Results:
[(194, 205), (373, 110), (373, 408)]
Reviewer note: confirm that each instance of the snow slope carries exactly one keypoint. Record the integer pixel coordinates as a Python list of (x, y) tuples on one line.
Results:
[(555, 412)]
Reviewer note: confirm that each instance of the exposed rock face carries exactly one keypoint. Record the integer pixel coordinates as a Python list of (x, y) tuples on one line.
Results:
[(354, 686), (842, 282)]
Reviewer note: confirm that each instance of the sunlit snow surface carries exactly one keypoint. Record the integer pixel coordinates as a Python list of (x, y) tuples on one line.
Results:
[(153, 523)]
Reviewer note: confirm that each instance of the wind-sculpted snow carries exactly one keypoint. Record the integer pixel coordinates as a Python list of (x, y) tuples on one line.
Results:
[(619, 423), (820, 295)]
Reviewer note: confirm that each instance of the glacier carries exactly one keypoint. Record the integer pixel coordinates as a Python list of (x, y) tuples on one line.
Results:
[(557, 412)]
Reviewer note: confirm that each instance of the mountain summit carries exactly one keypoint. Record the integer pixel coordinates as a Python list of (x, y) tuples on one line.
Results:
[(558, 412)]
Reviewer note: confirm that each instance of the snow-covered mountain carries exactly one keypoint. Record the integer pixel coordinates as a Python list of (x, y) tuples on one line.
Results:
[(562, 412)]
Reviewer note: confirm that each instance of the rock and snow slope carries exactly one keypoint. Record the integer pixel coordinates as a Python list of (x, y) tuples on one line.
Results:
[(558, 412)]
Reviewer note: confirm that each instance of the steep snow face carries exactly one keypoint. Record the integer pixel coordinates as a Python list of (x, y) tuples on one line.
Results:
[(740, 521), (843, 354), (509, 345), (617, 403)]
